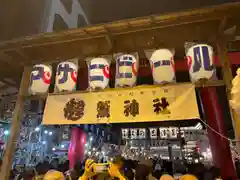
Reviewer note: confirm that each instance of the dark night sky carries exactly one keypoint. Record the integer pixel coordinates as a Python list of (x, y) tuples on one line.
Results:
[(111, 10)]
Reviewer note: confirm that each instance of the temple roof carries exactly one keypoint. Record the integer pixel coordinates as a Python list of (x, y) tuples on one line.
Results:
[(129, 35)]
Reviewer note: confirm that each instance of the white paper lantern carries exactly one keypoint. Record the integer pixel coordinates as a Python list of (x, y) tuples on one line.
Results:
[(126, 70), (125, 133), (163, 133), (200, 62), (153, 133), (173, 132), (98, 73), (162, 64), (133, 133), (66, 76), (40, 79), (141, 133)]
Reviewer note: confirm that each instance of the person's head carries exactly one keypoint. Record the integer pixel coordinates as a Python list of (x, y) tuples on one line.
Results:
[(53, 175), (147, 162), (118, 161), (197, 170), (63, 167), (142, 172), (43, 168), (188, 177), (128, 173), (215, 172), (166, 177), (28, 175), (129, 164)]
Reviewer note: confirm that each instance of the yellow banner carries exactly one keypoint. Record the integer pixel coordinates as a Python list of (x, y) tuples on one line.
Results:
[(139, 104)]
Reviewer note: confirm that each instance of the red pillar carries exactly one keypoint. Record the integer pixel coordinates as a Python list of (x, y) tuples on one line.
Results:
[(72, 147), (219, 146), (81, 144), (77, 146)]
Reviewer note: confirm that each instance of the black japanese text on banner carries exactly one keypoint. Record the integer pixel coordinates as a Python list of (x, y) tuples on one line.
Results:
[(139, 104)]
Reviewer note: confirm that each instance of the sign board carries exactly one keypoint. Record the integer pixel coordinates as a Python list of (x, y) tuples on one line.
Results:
[(126, 105)]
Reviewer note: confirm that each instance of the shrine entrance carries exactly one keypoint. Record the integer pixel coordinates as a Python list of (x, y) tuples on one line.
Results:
[(133, 45)]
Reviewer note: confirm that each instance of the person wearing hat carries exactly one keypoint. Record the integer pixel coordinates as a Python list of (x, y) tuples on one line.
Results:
[(166, 177), (113, 170), (144, 170), (53, 175), (188, 177)]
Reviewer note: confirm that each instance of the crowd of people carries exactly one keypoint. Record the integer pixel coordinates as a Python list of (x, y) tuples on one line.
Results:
[(119, 168)]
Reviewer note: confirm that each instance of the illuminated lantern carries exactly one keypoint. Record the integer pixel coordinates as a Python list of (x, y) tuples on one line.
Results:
[(40, 79), (235, 92), (66, 77), (200, 62), (126, 70), (98, 73), (162, 64)]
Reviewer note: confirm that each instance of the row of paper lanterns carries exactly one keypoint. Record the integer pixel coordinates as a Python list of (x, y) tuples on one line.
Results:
[(140, 133), (162, 133), (200, 64)]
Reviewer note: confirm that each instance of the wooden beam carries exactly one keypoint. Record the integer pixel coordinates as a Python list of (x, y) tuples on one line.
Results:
[(142, 24), (8, 83), (109, 38), (15, 125), (3, 88), (197, 85), (13, 75), (9, 61), (21, 53)]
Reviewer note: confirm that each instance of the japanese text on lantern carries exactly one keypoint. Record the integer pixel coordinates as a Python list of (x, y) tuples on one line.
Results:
[(40, 74), (64, 69), (205, 61)]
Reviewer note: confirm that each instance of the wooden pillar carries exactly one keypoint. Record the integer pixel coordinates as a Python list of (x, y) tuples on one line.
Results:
[(15, 125), (228, 77), (221, 153)]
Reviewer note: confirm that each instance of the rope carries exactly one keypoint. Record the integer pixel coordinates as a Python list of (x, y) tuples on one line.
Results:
[(230, 140)]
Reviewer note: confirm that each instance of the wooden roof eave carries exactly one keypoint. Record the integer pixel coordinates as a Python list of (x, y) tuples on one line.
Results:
[(51, 45)]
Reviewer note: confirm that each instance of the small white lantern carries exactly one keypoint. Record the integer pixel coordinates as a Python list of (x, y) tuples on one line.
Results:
[(153, 133), (141, 133), (200, 62), (40, 79), (162, 64), (98, 73), (126, 70), (163, 133), (173, 132), (66, 76), (125, 133), (133, 133)]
